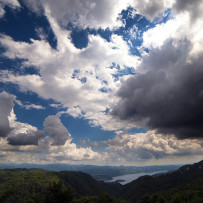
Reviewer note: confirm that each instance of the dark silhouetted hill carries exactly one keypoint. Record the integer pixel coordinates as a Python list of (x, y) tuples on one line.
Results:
[(98, 172), (22, 185), (33, 185), (184, 178)]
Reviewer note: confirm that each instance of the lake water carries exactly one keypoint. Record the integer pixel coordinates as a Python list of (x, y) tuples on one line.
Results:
[(130, 177)]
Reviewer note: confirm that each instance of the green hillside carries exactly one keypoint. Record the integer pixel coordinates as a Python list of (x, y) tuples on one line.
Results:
[(26, 185), (21, 185), (168, 185), (84, 184), (192, 193), (39, 186)]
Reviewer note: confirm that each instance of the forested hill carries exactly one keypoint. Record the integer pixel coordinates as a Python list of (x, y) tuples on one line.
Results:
[(24, 184), (35, 185), (98, 172), (172, 187)]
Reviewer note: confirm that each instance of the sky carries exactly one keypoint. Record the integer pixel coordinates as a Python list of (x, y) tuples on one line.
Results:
[(101, 82)]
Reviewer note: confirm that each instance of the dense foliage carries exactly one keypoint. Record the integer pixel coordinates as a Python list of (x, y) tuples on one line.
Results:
[(188, 180), (35, 185), (20, 185), (39, 186), (192, 193)]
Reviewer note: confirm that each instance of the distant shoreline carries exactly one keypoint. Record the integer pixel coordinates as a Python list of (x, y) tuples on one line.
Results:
[(124, 179)]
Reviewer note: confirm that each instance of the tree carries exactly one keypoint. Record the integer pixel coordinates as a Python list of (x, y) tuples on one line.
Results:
[(59, 193)]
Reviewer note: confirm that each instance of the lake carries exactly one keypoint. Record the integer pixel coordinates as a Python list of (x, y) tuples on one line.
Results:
[(130, 177)]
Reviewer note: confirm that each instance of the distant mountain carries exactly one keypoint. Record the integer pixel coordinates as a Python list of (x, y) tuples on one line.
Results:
[(185, 178), (31, 185), (98, 172)]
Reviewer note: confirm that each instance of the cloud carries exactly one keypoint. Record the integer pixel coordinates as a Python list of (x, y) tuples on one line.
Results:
[(34, 5), (178, 28), (45, 153), (94, 63), (21, 142), (91, 63), (69, 151), (194, 8), (151, 9), (26, 139), (97, 13), (24, 134), (29, 106), (11, 3), (89, 13), (2, 12), (17, 133), (148, 146), (168, 94), (18, 127), (6, 105), (165, 94), (57, 132), (14, 4), (174, 28)]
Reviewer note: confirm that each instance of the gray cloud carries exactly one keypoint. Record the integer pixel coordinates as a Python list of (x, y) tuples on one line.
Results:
[(14, 4), (6, 105), (34, 5), (149, 145), (57, 132), (149, 9), (193, 7), (83, 13), (168, 93), (26, 138), (52, 124)]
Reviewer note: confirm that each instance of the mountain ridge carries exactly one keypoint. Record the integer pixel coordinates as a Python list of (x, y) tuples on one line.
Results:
[(26, 183), (98, 172), (152, 184)]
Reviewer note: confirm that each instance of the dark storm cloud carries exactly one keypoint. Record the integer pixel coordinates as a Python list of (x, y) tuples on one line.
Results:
[(193, 7), (26, 138), (6, 105), (168, 93), (143, 154), (34, 5), (150, 9), (57, 132)]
